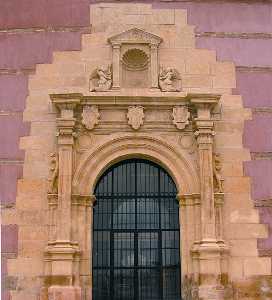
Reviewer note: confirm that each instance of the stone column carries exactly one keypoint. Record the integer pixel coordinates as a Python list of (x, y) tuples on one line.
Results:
[(116, 48), (154, 65), (208, 252), (63, 253)]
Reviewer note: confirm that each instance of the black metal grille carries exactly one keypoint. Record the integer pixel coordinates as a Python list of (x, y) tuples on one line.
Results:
[(136, 234)]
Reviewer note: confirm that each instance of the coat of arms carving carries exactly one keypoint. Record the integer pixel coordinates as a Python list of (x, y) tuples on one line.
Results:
[(135, 116), (90, 116), (181, 116)]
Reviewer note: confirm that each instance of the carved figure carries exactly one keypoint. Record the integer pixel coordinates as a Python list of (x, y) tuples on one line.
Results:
[(135, 116), (218, 180), (169, 80), (181, 116), (90, 116), (101, 79), (54, 169)]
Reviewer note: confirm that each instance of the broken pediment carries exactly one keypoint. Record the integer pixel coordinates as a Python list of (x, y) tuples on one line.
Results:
[(137, 36)]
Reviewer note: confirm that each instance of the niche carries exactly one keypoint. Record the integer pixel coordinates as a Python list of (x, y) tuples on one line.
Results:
[(135, 68)]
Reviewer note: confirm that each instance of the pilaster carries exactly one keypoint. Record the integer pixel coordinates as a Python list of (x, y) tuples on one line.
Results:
[(208, 253)]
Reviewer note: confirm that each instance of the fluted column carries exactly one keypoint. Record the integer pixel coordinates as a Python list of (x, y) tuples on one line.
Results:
[(208, 253), (116, 48), (62, 254), (154, 65)]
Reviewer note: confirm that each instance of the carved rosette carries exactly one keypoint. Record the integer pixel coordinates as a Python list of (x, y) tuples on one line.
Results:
[(180, 116), (90, 116), (135, 116)]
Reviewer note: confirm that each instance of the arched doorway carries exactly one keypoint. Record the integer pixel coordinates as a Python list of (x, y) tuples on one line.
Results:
[(136, 252)]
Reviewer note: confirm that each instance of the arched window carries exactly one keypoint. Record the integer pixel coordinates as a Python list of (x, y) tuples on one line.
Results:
[(136, 251)]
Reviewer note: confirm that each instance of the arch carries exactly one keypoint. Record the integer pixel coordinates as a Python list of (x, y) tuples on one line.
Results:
[(169, 156)]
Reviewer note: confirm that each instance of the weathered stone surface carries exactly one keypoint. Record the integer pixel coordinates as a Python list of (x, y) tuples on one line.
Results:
[(69, 72)]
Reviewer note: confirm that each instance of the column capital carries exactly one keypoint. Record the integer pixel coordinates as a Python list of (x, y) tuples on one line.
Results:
[(188, 199), (83, 200)]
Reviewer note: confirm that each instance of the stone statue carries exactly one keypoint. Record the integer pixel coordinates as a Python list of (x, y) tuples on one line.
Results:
[(101, 79), (169, 80), (54, 169), (218, 180)]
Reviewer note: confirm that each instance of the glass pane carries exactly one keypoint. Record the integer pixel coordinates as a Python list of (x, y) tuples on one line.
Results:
[(123, 284), (149, 284), (124, 249), (101, 249), (123, 213), (147, 213), (148, 249)]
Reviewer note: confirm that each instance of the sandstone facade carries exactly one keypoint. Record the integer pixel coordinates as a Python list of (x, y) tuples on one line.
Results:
[(85, 116)]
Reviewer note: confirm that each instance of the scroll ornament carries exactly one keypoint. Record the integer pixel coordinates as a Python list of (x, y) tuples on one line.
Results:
[(169, 80), (218, 180), (180, 116), (135, 116), (54, 173), (90, 116), (101, 79)]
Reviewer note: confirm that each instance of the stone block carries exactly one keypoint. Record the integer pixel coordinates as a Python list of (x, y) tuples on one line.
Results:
[(199, 61), (257, 266), (242, 215), (237, 184), (9, 239), (135, 19), (163, 17), (246, 231), (236, 268), (32, 248), (224, 139), (224, 75), (64, 293), (36, 142), (36, 170), (180, 17), (25, 267), (198, 81), (232, 169), (243, 248), (232, 101)]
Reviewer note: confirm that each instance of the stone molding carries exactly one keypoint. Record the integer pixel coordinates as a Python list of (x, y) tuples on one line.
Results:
[(197, 199)]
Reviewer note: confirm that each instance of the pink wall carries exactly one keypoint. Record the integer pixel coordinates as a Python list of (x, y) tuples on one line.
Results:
[(219, 25)]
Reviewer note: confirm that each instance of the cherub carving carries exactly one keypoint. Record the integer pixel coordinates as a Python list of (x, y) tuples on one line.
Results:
[(169, 80), (101, 79), (54, 169), (218, 180)]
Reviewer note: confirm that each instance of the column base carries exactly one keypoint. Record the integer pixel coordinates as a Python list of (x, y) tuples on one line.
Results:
[(211, 292), (64, 293)]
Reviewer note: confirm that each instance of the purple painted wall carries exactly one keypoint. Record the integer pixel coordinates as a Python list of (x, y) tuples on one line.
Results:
[(238, 31)]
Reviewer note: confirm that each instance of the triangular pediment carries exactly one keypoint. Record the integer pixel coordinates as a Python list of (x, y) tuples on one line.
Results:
[(135, 35)]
